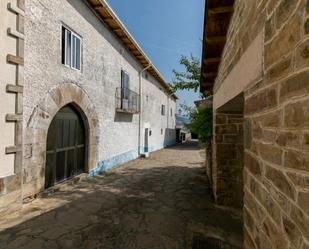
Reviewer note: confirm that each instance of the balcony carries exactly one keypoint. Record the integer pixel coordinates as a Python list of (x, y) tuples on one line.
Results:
[(127, 101)]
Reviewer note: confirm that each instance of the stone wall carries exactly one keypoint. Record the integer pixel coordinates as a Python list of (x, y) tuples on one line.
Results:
[(227, 173), (11, 101), (276, 161)]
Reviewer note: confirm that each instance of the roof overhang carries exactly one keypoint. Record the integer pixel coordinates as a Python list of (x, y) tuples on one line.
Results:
[(218, 14), (108, 16), (203, 103)]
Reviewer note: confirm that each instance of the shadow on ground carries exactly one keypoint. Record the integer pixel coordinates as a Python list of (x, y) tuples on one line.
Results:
[(160, 202)]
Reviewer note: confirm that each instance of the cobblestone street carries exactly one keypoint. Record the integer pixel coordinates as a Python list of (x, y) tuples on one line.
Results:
[(159, 202)]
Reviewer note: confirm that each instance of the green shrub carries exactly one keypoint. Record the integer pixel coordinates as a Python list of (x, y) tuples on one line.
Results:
[(201, 123)]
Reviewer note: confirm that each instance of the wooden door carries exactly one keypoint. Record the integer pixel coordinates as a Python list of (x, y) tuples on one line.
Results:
[(66, 147)]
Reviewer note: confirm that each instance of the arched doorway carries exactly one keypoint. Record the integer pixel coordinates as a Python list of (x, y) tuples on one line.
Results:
[(66, 146)]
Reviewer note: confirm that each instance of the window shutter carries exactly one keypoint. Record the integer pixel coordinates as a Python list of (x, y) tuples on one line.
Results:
[(63, 48), (68, 48), (122, 78), (78, 54), (125, 84)]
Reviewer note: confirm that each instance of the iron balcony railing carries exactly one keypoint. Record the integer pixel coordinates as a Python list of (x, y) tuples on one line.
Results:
[(127, 100)]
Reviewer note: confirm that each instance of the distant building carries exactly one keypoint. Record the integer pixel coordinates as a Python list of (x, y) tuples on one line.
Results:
[(256, 65), (78, 95), (182, 133)]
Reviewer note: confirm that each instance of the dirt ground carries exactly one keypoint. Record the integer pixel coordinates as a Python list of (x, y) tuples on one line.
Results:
[(159, 202)]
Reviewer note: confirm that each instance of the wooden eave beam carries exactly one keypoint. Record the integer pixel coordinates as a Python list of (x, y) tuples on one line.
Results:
[(207, 75), (215, 39), (208, 83), (143, 61), (98, 7), (220, 10), (108, 19), (116, 28), (212, 60), (135, 52)]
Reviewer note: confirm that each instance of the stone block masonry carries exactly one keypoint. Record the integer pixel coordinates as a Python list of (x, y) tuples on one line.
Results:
[(228, 159), (276, 122)]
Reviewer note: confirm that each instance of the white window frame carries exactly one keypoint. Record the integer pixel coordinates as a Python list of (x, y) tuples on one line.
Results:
[(73, 34)]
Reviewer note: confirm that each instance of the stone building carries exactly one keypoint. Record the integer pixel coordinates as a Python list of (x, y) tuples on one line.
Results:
[(256, 65), (78, 95)]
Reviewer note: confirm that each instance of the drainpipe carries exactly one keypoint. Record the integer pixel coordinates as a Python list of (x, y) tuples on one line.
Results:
[(168, 114), (168, 119), (140, 152)]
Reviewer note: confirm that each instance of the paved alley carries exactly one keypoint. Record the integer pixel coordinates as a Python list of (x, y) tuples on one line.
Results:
[(159, 202)]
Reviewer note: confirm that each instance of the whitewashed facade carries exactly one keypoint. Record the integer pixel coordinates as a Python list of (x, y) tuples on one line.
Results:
[(113, 136)]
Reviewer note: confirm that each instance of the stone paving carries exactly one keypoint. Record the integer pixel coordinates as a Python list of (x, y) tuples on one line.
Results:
[(153, 203)]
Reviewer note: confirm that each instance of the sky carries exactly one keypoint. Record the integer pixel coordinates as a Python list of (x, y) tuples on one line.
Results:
[(165, 30)]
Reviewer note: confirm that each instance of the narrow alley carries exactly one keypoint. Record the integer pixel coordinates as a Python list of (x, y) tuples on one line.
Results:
[(159, 202)]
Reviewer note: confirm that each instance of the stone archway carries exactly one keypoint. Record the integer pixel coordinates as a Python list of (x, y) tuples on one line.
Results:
[(37, 127)]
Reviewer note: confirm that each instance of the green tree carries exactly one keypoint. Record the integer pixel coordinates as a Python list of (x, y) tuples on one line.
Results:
[(200, 118), (190, 78), (200, 122)]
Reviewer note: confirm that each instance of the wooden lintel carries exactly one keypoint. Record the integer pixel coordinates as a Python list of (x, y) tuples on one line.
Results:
[(219, 10), (15, 59), (14, 88), (13, 149), (13, 117)]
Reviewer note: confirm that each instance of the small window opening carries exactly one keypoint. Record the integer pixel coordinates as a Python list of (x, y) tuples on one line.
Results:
[(163, 110), (71, 49)]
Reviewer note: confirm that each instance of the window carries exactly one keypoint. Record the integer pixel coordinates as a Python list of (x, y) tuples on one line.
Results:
[(125, 79), (171, 112), (71, 49), (125, 92), (163, 110)]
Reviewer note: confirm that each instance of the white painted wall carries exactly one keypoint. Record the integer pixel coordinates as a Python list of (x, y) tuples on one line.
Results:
[(152, 115), (103, 58), (7, 76)]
